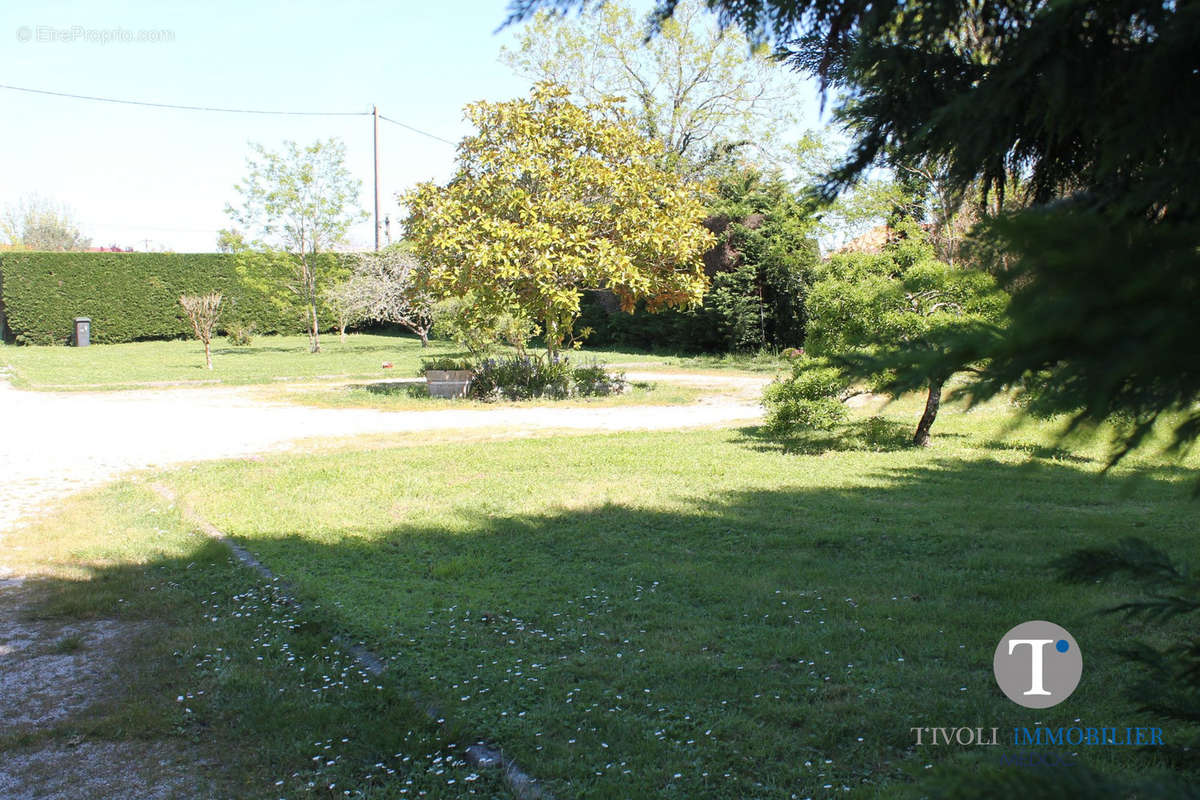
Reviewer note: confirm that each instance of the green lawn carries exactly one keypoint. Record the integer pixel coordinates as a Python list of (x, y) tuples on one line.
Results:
[(704, 614), (272, 358), (269, 358)]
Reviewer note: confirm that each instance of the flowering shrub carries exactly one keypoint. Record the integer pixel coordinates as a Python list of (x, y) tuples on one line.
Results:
[(527, 377)]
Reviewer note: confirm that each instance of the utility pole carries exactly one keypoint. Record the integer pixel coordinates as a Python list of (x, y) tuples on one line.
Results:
[(375, 119)]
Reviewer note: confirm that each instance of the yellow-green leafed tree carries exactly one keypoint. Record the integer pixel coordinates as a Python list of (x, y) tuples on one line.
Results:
[(550, 199)]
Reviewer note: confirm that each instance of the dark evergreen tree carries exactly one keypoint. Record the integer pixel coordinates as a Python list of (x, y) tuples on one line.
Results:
[(759, 294)]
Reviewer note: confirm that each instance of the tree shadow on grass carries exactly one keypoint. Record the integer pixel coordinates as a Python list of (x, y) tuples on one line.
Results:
[(1045, 452), (874, 434), (740, 631), (734, 596)]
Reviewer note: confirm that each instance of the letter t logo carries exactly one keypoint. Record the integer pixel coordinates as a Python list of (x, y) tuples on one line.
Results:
[(1024, 678), (1035, 646)]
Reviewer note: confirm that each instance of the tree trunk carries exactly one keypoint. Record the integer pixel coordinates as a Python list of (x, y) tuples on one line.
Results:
[(342, 334), (314, 331), (207, 354), (424, 334), (932, 403), (308, 282), (551, 335)]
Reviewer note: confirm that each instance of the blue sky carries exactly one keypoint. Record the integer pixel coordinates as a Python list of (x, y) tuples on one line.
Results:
[(161, 178)]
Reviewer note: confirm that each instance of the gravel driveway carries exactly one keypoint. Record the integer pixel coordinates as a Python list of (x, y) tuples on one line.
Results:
[(56, 443)]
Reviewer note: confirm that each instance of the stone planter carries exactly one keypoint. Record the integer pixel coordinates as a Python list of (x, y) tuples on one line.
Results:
[(448, 382)]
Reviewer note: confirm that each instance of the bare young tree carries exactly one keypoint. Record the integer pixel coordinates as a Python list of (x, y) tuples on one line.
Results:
[(390, 287), (203, 310)]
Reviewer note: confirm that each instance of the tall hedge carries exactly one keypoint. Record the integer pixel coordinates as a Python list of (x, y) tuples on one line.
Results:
[(134, 296)]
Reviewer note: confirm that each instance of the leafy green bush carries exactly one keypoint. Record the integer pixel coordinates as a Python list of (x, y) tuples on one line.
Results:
[(128, 296), (594, 380), (809, 399), (521, 378), (472, 326), (526, 377), (444, 363), (239, 334)]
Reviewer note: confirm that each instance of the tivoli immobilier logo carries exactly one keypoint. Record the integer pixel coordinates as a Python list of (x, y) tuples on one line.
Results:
[(1037, 664)]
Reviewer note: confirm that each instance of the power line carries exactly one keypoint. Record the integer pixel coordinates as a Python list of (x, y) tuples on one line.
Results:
[(226, 110), (190, 108), (178, 107), (417, 130)]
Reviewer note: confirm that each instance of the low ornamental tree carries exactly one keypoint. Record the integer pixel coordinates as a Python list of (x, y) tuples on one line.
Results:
[(203, 311), (550, 199), (863, 309), (392, 286), (347, 301)]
